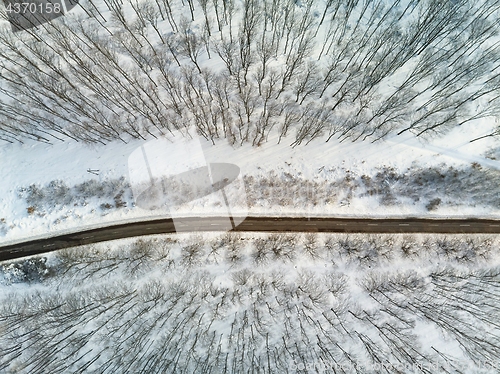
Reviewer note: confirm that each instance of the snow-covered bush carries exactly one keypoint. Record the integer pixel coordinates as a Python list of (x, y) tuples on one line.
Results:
[(56, 194), (31, 270)]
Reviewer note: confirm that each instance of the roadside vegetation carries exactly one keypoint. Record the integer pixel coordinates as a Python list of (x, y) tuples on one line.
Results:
[(107, 194), (430, 188), (274, 303)]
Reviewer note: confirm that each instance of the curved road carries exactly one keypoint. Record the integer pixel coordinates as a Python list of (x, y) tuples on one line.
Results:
[(263, 224)]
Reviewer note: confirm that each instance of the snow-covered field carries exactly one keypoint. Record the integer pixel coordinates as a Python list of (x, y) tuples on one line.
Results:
[(326, 169), (280, 303)]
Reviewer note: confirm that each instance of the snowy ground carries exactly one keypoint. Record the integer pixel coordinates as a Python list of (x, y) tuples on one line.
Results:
[(318, 162), (226, 303)]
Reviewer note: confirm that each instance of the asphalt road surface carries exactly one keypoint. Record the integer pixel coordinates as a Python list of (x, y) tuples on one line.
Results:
[(261, 224)]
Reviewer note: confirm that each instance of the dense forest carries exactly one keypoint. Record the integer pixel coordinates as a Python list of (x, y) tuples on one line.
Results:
[(241, 69), (277, 303)]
